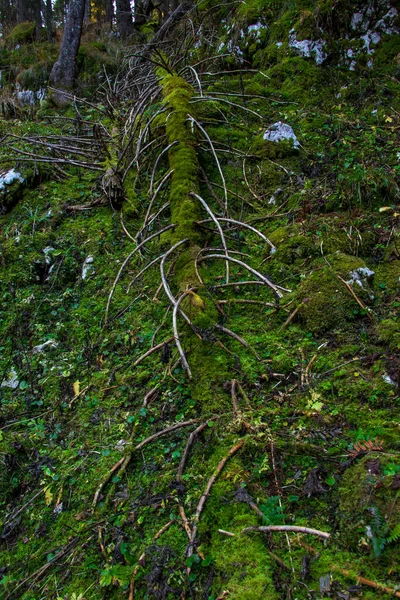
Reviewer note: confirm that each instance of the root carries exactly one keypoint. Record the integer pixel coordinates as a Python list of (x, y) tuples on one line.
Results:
[(206, 493), (141, 559), (128, 258), (153, 349), (123, 462)]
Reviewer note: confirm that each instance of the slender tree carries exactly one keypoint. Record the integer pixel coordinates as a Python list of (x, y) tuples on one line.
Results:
[(63, 73)]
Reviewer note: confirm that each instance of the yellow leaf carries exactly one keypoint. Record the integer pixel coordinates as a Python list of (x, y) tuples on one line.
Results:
[(385, 208), (48, 496), (388, 120), (76, 388)]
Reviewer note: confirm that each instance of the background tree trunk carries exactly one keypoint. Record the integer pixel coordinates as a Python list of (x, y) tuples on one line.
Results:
[(63, 73), (124, 18), (110, 12), (48, 18)]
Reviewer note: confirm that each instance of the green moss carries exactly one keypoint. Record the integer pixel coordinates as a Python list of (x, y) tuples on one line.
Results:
[(22, 33), (387, 277), (389, 332), (329, 303), (182, 156), (367, 502)]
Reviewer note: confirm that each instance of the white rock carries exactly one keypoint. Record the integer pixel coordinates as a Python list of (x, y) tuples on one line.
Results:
[(87, 266), (58, 509), (281, 131), (359, 21), (47, 251), (41, 347), (308, 48), (12, 381), (361, 276), (385, 24), (120, 445), (9, 177), (26, 98), (387, 379)]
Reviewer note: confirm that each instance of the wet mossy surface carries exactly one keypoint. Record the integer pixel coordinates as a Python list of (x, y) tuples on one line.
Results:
[(318, 407)]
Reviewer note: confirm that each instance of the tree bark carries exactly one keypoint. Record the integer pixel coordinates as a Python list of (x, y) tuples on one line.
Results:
[(109, 12), (48, 17), (124, 18), (63, 73)]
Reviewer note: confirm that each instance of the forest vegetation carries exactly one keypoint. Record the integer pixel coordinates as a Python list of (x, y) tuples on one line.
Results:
[(199, 302)]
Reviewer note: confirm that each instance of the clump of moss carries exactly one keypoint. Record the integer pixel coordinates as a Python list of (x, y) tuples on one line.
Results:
[(23, 33), (329, 304), (367, 503), (389, 332), (182, 156)]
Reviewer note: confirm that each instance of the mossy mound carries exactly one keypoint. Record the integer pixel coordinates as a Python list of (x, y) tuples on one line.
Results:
[(23, 33), (368, 510), (327, 302)]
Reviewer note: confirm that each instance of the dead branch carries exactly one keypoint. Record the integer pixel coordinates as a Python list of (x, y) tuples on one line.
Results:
[(128, 258), (153, 349), (148, 266), (285, 528), (215, 158), (275, 288), (221, 233), (184, 361), (236, 337), (122, 464), (189, 444), (357, 299)]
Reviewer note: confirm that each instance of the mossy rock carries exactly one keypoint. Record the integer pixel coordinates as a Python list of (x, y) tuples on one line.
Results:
[(23, 33), (12, 184), (295, 248), (367, 509), (329, 304)]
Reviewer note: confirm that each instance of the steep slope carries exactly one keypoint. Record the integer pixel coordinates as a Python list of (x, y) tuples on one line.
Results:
[(199, 317)]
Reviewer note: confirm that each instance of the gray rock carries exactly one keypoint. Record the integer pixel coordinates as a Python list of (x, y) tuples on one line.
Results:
[(42, 347), (87, 267), (280, 131), (308, 48)]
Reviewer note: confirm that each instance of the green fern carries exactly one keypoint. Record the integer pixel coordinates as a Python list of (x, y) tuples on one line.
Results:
[(272, 511), (394, 534)]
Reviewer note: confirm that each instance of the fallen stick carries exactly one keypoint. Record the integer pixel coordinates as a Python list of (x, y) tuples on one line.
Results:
[(346, 573), (368, 582), (356, 298), (186, 451), (154, 349), (294, 528)]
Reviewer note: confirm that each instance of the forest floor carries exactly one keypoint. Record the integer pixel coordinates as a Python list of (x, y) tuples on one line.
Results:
[(291, 415)]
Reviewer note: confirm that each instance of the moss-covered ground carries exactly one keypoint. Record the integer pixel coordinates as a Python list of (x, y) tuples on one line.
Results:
[(317, 387)]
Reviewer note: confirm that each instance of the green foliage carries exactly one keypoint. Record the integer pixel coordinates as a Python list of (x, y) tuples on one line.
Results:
[(22, 33)]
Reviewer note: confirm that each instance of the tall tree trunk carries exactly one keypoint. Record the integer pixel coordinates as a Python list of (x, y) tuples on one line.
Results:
[(87, 13), (110, 12), (63, 73), (22, 11), (124, 18), (36, 14), (48, 18)]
